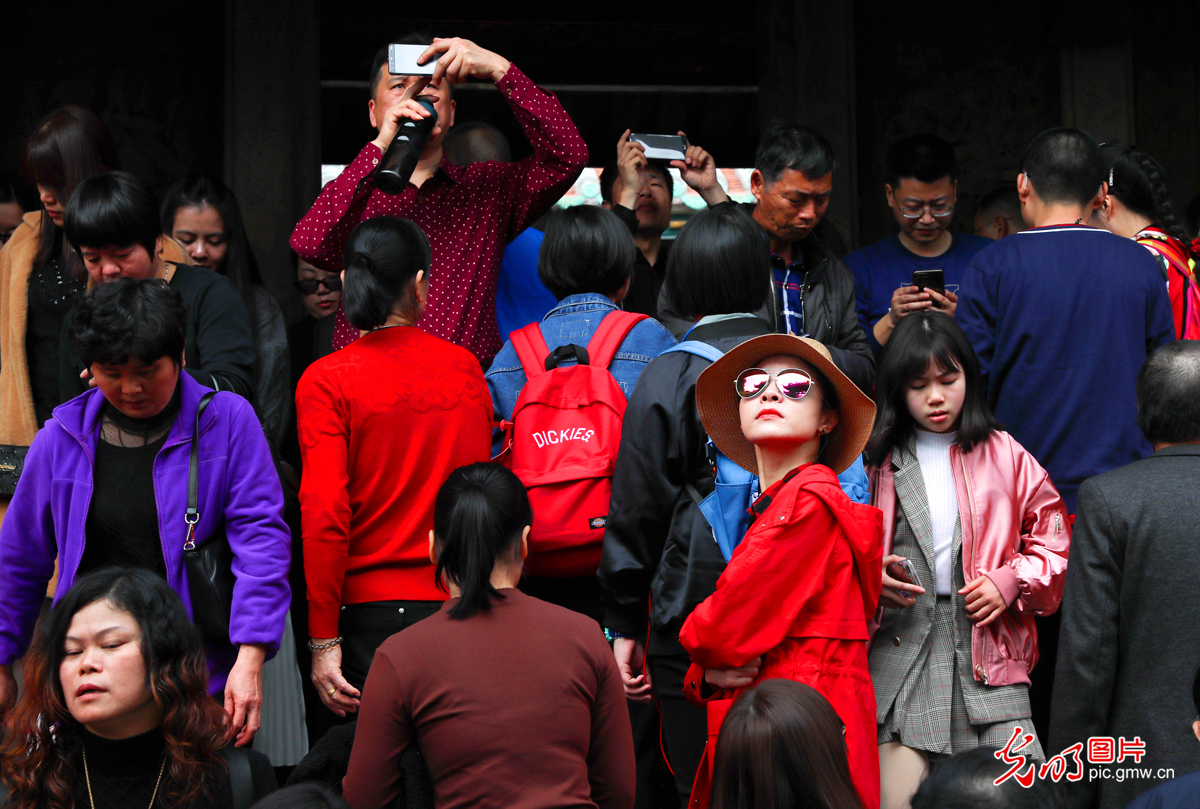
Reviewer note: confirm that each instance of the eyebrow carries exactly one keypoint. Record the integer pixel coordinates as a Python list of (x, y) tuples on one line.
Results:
[(104, 631)]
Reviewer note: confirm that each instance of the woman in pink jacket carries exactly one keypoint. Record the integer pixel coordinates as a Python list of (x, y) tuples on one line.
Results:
[(975, 545)]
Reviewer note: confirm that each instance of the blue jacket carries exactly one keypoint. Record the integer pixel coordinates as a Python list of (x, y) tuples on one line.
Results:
[(575, 320), (239, 491), (1062, 318)]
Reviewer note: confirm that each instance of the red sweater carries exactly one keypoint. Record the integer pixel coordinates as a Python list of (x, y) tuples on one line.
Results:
[(382, 423)]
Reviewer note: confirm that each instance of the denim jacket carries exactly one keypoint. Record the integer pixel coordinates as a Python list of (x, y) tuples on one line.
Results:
[(575, 320)]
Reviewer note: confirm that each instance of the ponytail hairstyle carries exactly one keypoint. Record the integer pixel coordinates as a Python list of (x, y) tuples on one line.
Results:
[(920, 339), (383, 257), (478, 517), (1139, 182)]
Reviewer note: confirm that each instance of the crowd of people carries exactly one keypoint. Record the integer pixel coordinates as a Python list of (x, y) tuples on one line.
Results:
[(534, 507)]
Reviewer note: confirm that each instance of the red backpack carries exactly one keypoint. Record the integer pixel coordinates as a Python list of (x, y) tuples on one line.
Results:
[(562, 444)]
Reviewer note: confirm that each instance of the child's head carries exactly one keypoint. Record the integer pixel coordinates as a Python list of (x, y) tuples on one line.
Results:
[(782, 745), (928, 378)]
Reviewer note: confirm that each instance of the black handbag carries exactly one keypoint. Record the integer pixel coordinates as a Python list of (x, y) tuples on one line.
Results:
[(209, 566), (12, 461)]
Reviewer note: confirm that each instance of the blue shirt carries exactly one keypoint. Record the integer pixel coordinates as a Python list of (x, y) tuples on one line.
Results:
[(789, 291), (882, 268), (575, 320), (1180, 793), (521, 297), (1062, 318)]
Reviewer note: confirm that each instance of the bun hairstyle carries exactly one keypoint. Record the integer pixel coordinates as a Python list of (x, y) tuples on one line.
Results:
[(478, 517), (1139, 182), (382, 259)]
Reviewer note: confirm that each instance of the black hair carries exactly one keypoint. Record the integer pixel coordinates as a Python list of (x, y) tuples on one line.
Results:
[(793, 147), (112, 209), (303, 796), (66, 147), (586, 249), (1196, 693), (14, 189), (1168, 394), (782, 745), (383, 256), (920, 339), (610, 172), (476, 142), (1139, 182), (719, 264), (924, 157), (478, 517), (1003, 201), (200, 190), (968, 781), (129, 318), (421, 36), (1065, 166)]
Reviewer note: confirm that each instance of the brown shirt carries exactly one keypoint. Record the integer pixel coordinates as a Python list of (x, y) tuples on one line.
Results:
[(520, 707)]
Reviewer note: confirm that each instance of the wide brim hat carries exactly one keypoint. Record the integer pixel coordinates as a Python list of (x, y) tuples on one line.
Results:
[(718, 403)]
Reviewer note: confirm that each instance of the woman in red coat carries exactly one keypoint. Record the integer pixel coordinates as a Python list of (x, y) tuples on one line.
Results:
[(796, 597)]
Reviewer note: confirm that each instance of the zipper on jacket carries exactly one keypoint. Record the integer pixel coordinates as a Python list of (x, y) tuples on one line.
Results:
[(979, 669), (1058, 523)]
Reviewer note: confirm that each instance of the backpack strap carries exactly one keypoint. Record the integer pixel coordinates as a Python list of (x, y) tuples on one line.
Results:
[(241, 779), (531, 349), (614, 328), (697, 348)]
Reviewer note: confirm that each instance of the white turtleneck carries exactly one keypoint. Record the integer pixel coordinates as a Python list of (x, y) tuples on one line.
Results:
[(933, 456)]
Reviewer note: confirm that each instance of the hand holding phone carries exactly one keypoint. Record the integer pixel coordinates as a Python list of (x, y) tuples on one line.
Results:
[(900, 582)]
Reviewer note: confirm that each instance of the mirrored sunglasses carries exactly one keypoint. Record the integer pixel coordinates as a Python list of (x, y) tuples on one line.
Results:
[(792, 382)]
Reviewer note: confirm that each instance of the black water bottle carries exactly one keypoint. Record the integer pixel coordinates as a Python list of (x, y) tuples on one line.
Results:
[(404, 151)]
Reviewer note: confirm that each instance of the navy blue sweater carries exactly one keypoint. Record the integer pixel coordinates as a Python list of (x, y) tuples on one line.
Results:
[(1062, 318)]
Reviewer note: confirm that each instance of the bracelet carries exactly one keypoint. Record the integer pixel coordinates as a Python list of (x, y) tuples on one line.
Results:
[(612, 634), (320, 647)]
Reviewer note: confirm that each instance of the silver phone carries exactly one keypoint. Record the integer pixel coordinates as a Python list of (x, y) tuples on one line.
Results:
[(662, 147), (908, 575), (402, 60)]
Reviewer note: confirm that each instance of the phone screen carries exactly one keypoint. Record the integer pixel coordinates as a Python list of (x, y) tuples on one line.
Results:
[(402, 60), (662, 147)]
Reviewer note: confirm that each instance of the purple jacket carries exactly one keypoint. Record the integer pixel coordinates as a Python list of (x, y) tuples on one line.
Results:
[(239, 489)]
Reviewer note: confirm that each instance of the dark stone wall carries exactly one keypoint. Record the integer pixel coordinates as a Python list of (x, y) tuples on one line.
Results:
[(153, 71)]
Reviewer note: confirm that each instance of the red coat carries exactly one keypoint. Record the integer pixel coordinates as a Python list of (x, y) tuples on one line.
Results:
[(798, 591)]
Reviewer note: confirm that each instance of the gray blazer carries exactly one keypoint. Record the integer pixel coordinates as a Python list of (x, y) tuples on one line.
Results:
[(1130, 642)]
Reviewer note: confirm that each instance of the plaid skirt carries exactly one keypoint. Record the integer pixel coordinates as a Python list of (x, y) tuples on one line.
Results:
[(930, 710)]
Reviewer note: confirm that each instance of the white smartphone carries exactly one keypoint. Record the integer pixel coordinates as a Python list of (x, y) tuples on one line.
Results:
[(662, 147), (402, 60)]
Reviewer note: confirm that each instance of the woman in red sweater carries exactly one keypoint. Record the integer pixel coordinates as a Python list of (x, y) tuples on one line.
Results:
[(382, 424), (796, 597)]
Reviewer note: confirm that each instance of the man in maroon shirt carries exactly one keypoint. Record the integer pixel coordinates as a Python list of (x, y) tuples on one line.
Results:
[(470, 213)]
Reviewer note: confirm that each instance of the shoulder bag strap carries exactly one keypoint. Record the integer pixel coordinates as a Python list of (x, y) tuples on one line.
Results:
[(241, 779), (531, 349), (193, 503)]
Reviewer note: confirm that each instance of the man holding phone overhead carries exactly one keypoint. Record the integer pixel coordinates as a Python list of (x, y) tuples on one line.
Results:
[(921, 266), (470, 213)]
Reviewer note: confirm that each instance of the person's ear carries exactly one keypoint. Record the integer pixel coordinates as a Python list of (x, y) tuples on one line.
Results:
[(524, 549), (829, 420), (890, 194), (1003, 228), (757, 185), (432, 548), (371, 113), (158, 246), (1101, 196), (623, 291), (420, 290), (1196, 729), (183, 360), (608, 206)]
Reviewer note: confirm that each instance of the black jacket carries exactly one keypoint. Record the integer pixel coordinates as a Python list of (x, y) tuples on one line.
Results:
[(645, 284), (657, 545), (829, 310), (1128, 646)]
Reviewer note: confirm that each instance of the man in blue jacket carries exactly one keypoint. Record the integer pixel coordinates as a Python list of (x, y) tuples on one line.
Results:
[(1063, 315)]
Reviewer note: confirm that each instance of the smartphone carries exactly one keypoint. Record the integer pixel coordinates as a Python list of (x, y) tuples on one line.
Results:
[(930, 279), (905, 572), (402, 60), (662, 147)]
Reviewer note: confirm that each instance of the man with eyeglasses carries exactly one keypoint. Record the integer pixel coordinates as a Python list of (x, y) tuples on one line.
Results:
[(921, 191)]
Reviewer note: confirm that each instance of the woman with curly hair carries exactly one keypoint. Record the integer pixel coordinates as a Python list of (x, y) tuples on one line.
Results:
[(116, 711)]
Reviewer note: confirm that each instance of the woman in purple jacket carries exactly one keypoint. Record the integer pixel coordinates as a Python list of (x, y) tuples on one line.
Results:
[(106, 482)]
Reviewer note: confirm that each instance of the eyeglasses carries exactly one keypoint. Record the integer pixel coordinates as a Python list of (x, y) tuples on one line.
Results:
[(792, 382), (309, 286), (914, 212)]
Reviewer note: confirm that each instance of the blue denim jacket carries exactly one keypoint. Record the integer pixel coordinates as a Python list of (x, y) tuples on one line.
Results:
[(575, 320)]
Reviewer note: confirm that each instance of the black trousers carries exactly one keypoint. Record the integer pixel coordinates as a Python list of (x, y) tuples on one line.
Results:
[(684, 726), (364, 627)]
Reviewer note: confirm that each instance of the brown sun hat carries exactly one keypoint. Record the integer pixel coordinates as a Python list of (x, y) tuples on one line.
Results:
[(717, 401)]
